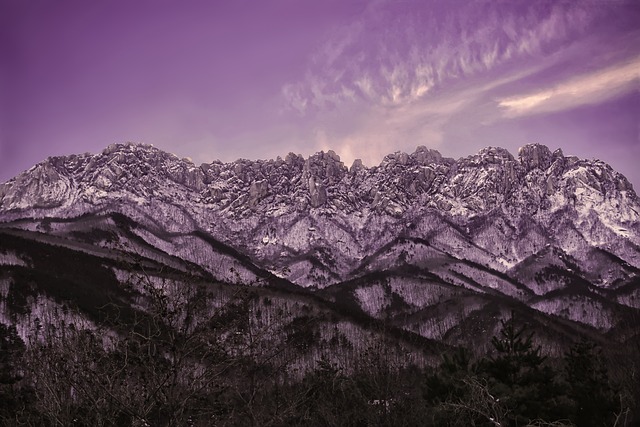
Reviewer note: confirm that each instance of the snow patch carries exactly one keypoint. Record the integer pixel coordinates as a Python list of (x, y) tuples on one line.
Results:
[(10, 258)]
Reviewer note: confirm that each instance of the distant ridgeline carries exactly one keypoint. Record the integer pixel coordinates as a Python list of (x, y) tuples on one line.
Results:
[(137, 288)]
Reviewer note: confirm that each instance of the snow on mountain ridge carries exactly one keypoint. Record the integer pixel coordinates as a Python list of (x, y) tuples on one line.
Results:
[(554, 232), (320, 218), (479, 182), (538, 181)]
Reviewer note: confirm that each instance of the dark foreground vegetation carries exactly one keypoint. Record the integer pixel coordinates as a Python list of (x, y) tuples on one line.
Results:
[(180, 362)]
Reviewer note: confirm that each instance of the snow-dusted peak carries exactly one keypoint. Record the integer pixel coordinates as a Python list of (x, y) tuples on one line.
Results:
[(357, 166), (128, 147), (538, 183), (329, 162), (44, 185), (537, 156), (492, 155), (542, 228), (426, 156), (293, 158), (320, 219), (330, 155), (421, 157)]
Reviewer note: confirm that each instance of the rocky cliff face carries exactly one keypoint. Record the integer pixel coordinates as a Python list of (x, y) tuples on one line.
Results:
[(535, 183), (552, 231)]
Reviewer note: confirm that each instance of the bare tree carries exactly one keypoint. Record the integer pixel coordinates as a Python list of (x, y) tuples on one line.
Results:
[(160, 364), (478, 405)]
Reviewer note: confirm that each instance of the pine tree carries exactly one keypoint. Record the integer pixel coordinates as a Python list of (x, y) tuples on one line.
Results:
[(589, 387), (518, 376), (459, 396), (11, 348), (447, 382), (517, 358)]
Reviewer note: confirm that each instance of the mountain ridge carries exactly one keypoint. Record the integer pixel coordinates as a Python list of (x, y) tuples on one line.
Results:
[(558, 234), (317, 181), (541, 186)]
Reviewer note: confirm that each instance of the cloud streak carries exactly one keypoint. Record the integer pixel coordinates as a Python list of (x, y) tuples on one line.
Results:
[(586, 89), (423, 50), (397, 76)]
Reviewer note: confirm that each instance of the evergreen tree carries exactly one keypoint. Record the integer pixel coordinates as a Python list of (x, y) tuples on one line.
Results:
[(518, 376), (517, 359), (447, 382), (458, 396), (11, 349), (593, 397)]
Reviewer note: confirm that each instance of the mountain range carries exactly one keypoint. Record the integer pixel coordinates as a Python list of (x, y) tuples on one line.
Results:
[(439, 249)]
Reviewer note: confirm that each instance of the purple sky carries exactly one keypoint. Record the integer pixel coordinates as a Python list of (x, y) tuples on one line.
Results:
[(258, 79)]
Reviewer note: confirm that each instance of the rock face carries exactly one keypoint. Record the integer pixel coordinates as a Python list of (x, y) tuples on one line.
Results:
[(538, 156), (479, 222), (491, 179)]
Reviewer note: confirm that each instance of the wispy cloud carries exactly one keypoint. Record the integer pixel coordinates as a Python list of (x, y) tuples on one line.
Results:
[(585, 89), (377, 130), (394, 58), (404, 75)]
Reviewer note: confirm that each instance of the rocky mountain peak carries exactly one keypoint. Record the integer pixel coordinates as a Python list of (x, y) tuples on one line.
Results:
[(426, 156), (121, 147), (538, 181), (324, 168), (356, 166), (128, 153), (322, 156), (398, 158), (492, 155), (537, 156)]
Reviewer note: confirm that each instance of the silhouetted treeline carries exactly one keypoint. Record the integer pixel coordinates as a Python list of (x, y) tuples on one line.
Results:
[(182, 365)]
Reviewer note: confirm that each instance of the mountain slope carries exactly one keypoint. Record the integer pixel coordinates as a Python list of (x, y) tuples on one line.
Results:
[(557, 236)]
